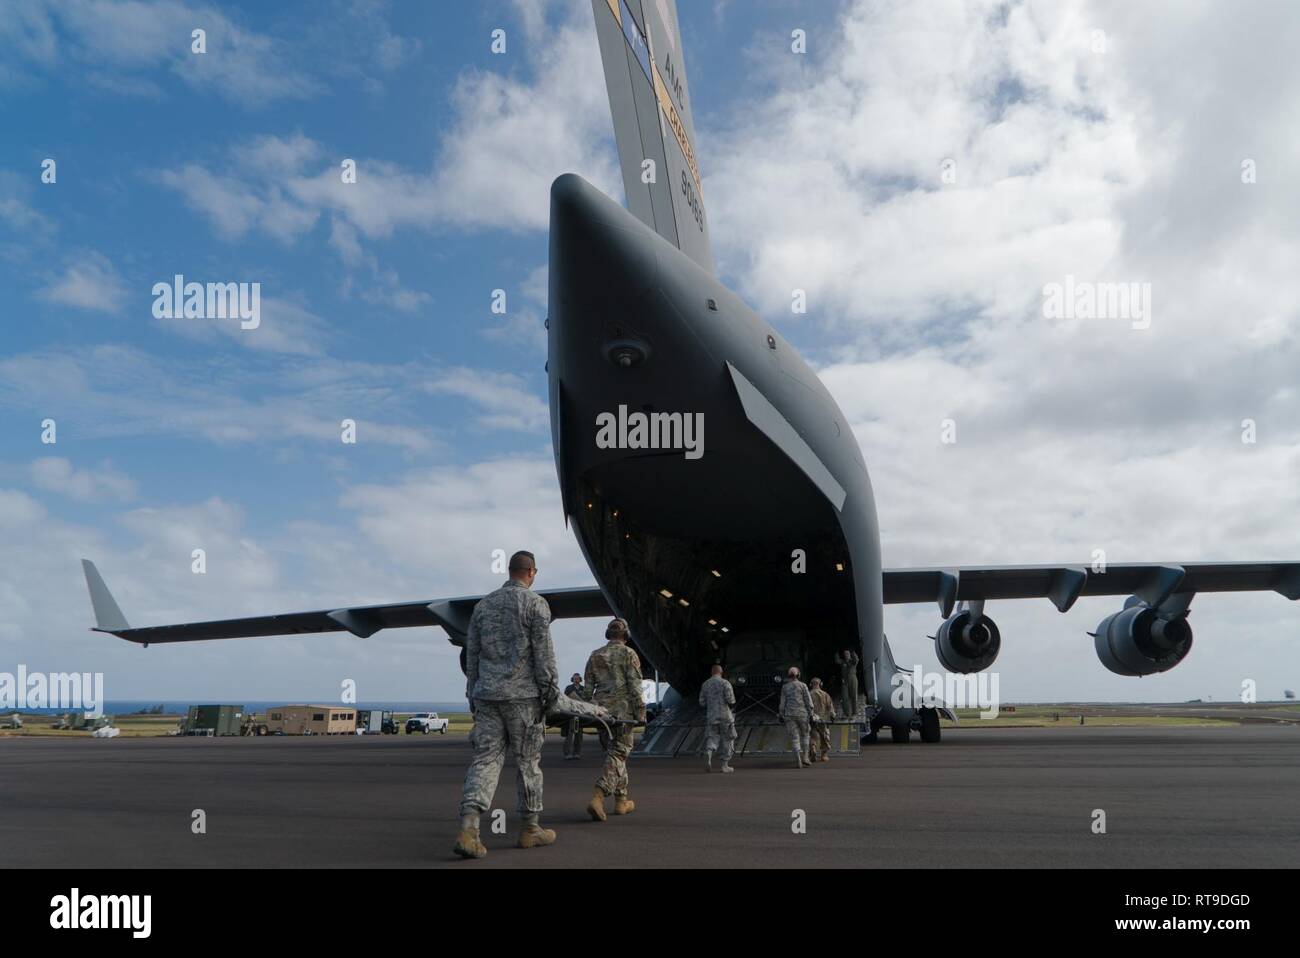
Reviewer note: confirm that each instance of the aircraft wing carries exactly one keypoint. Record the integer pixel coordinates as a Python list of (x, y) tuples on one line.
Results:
[(362, 621), (1153, 583), (645, 76)]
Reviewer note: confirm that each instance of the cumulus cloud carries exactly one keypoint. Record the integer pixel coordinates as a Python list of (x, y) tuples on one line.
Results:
[(512, 134), (1118, 162), (88, 282), (55, 474), (422, 535), (124, 44), (1101, 157), (503, 398)]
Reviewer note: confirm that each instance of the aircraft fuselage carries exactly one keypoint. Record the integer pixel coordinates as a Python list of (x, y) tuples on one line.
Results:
[(713, 484)]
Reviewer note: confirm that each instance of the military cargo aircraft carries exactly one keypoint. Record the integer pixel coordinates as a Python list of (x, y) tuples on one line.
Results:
[(695, 538)]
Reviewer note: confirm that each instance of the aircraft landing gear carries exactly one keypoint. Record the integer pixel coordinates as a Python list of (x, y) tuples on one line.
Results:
[(872, 735), (929, 725)]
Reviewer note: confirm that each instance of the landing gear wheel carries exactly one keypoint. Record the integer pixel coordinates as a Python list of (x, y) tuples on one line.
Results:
[(900, 734), (872, 735), (929, 725)]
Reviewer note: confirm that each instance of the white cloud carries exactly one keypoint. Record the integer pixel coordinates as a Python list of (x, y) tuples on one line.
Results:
[(141, 47), (90, 282), (123, 39), (17, 213), (55, 474), (926, 299), (510, 138), (525, 324), (505, 401), (284, 326), (113, 391), (234, 208), (423, 535)]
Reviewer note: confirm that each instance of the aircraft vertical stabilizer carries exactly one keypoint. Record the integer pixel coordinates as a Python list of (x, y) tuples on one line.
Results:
[(641, 49)]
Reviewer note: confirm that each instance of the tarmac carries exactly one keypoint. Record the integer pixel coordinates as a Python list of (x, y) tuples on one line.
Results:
[(1172, 797)]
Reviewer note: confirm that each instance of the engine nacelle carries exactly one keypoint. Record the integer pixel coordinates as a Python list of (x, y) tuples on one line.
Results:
[(1137, 641), (966, 643)]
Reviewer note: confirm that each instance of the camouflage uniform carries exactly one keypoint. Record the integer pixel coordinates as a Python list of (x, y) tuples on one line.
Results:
[(510, 680), (796, 711), (718, 696), (573, 726), (823, 712), (849, 685), (613, 675)]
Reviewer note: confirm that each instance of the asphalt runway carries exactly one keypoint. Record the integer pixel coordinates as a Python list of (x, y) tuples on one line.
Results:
[(1173, 797)]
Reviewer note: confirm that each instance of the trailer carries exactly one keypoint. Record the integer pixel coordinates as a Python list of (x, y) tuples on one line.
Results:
[(213, 720), (312, 720)]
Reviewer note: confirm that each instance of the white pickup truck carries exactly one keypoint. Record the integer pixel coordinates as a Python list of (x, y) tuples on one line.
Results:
[(426, 722)]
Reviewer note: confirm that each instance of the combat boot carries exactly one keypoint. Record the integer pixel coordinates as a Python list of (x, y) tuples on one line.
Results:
[(596, 807), (534, 836), (798, 760), (708, 760), (825, 757), (726, 767), (468, 845), (623, 805)]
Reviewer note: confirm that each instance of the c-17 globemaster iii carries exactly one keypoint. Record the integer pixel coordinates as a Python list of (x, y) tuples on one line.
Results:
[(701, 553)]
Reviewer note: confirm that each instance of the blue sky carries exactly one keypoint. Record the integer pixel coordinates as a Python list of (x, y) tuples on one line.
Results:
[(118, 217), (820, 173)]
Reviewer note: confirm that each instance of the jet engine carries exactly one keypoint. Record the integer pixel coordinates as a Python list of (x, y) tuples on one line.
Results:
[(1139, 640), (968, 641)]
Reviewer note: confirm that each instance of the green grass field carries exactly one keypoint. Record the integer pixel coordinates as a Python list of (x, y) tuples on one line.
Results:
[(1067, 716)]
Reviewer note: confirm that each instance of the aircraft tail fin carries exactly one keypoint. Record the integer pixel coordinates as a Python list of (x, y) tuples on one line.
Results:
[(108, 617), (641, 50)]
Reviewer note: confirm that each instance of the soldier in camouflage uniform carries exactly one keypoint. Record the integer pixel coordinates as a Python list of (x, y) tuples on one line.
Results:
[(573, 727), (823, 713), (511, 680), (614, 677), (849, 683), (717, 696), (796, 711)]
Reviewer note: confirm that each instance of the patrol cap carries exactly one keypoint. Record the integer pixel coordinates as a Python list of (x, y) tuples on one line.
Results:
[(616, 628)]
